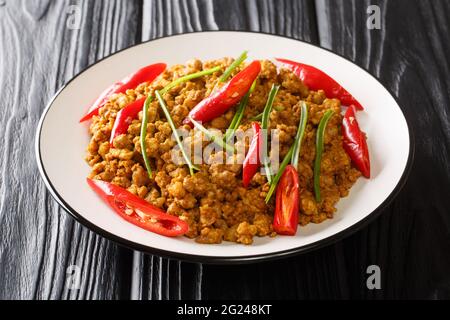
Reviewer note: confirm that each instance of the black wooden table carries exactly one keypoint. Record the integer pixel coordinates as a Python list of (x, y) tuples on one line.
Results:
[(45, 43)]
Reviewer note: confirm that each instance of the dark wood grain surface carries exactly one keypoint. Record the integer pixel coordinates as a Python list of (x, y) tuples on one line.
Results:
[(410, 242)]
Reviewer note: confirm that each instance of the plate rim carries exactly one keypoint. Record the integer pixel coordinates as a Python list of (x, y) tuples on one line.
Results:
[(221, 259)]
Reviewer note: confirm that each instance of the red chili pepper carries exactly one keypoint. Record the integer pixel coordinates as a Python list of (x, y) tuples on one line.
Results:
[(252, 160), (285, 220), (316, 79), (355, 143), (125, 117), (138, 211), (145, 74), (226, 96)]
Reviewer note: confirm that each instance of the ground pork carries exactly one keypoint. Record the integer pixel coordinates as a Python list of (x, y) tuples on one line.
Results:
[(212, 200)]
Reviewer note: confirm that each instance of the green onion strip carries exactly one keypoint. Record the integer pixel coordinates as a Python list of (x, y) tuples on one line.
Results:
[(293, 153), (277, 177), (257, 117), (175, 133), (319, 151), (238, 115), (299, 136), (233, 66), (264, 127), (188, 77), (211, 136), (144, 134), (145, 115)]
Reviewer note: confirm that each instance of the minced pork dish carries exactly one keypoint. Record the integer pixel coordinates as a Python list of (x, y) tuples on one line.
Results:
[(213, 201)]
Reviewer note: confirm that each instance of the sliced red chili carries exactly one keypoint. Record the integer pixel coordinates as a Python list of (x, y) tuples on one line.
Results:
[(125, 117), (145, 74), (285, 220), (252, 160), (138, 211), (355, 143), (316, 79), (226, 96)]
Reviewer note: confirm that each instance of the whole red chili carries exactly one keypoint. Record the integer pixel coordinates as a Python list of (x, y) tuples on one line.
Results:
[(252, 160), (125, 117), (138, 211), (316, 79), (145, 74), (226, 96), (355, 143), (285, 220)]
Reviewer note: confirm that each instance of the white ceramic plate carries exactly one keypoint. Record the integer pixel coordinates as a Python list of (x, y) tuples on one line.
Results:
[(61, 143)]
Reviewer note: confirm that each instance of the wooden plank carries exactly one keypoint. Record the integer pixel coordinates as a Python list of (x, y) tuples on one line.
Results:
[(410, 56), (39, 53)]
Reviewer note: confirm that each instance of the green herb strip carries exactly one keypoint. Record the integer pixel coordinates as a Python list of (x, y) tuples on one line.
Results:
[(300, 133), (187, 78), (278, 108), (293, 151), (214, 138), (257, 117), (319, 151), (144, 134), (238, 115), (175, 133), (277, 177), (162, 92), (233, 66), (264, 127)]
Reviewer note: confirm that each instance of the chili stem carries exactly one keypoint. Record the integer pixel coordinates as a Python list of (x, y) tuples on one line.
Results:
[(214, 138), (299, 135), (175, 133), (319, 151), (144, 134), (264, 126), (233, 66), (239, 114)]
